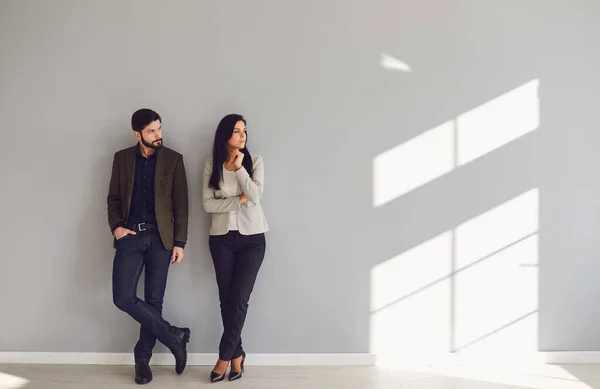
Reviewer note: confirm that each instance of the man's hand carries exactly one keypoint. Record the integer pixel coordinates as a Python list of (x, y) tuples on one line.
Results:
[(177, 255), (121, 232)]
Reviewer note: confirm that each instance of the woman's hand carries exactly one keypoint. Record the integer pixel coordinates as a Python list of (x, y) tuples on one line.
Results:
[(237, 160)]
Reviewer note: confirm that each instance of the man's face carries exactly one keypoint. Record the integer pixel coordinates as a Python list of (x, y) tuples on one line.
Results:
[(151, 135)]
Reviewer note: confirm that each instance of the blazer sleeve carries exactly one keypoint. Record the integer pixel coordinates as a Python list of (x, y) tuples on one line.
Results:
[(253, 190), (113, 199), (180, 204)]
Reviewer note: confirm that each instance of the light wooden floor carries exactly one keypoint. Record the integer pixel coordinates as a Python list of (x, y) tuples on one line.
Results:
[(262, 377)]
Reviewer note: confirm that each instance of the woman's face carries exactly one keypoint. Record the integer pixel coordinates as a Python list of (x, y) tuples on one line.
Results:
[(238, 138)]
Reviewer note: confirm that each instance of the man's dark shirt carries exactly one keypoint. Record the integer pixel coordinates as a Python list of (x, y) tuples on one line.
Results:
[(142, 197)]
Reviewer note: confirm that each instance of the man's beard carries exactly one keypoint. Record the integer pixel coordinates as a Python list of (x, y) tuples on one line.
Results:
[(154, 145)]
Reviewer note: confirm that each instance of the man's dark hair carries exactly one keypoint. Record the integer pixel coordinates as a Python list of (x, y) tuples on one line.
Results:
[(142, 117)]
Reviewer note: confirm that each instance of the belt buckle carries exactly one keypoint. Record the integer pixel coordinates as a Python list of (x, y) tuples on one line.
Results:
[(140, 227)]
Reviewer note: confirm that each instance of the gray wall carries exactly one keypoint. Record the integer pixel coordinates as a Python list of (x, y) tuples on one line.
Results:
[(320, 109)]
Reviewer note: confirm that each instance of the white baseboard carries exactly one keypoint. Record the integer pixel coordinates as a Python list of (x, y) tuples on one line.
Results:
[(51, 358), (536, 358), (341, 359), (558, 357)]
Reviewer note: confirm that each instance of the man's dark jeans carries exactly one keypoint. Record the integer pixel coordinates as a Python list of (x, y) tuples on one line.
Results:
[(133, 253)]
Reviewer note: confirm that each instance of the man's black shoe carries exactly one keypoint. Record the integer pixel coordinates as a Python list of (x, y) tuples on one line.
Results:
[(179, 350), (143, 374)]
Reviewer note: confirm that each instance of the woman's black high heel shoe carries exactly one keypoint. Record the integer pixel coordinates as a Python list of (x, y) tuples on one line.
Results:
[(216, 377), (236, 375)]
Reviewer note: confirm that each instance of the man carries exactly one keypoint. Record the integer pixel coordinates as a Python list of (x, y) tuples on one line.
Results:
[(148, 216)]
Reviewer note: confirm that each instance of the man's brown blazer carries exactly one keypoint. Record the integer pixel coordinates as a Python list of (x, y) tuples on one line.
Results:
[(170, 194)]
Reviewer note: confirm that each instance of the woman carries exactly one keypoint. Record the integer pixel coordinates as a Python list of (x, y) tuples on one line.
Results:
[(231, 192)]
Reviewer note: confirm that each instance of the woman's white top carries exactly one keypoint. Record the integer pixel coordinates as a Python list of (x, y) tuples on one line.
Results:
[(231, 189)]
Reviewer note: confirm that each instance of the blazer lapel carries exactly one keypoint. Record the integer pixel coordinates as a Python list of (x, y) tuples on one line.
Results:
[(130, 166), (160, 167)]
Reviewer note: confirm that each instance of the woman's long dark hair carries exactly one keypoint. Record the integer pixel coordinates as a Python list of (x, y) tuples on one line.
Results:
[(220, 151)]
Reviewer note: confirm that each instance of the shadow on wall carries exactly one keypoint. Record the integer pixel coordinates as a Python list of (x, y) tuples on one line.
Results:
[(449, 182), (449, 230), (473, 288), (461, 193), (92, 264)]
